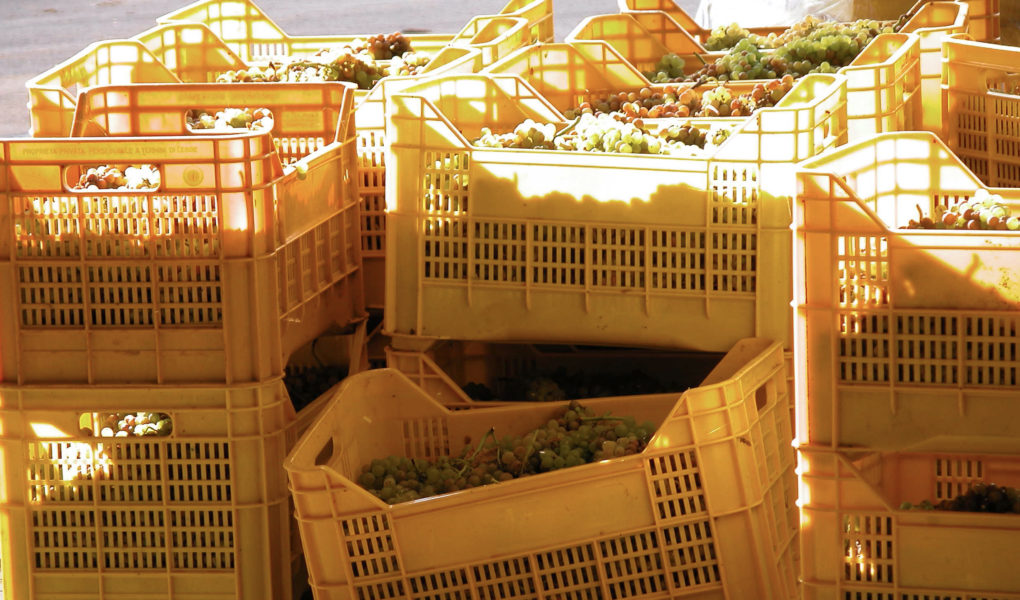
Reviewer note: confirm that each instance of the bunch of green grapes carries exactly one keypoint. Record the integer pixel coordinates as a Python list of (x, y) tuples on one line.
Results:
[(140, 424), (668, 101), (230, 118), (409, 63), (669, 68), (981, 211), (105, 177), (829, 46), (980, 497), (591, 133), (575, 437), (724, 37)]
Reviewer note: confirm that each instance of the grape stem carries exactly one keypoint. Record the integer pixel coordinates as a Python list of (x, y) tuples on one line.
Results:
[(478, 449)]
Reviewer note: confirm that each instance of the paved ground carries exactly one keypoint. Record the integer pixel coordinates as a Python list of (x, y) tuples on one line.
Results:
[(38, 34)]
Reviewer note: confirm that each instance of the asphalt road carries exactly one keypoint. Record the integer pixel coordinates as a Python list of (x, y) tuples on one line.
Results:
[(38, 34)]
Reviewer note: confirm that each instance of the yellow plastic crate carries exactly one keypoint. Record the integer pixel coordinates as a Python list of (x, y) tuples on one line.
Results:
[(200, 513), (189, 282), (884, 86), (900, 335), (981, 99), (253, 35), (706, 511), (856, 542), (934, 22), (610, 249)]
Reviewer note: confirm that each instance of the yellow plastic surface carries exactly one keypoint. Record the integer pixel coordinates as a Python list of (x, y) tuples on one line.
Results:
[(253, 35), (201, 513), (982, 104), (632, 250), (856, 542), (883, 86), (706, 511), (194, 281), (934, 22), (900, 335)]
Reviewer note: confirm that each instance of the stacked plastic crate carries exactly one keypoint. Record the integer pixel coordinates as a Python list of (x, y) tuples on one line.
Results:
[(157, 277), (907, 371), (556, 251)]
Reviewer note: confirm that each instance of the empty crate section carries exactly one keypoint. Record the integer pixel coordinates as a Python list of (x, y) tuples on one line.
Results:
[(477, 373), (253, 35), (863, 534), (934, 22), (705, 511), (593, 248), (901, 334), (681, 18), (132, 492), (982, 108), (185, 280)]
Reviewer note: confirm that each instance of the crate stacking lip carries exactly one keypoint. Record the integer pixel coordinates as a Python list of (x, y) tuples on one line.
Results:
[(231, 264), (199, 513), (705, 511), (547, 246), (981, 92), (253, 35), (858, 541), (891, 85), (900, 335)]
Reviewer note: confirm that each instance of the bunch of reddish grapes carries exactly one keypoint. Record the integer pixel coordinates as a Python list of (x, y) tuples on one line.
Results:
[(384, 47), (669, 101), (575, 437), (981, 211)]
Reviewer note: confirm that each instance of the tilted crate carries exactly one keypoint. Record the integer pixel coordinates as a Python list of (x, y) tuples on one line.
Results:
[(981, 95), (197, 514), (857, 541), (253, 35), (549, 246), (705, 511), (900, 335), (192, 282)]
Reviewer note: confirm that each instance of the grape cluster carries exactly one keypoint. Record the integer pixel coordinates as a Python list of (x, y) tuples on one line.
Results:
[(981, 497), (810, 46), (575, 437), (600, 133), (668, 101), (669, 68), (305, 384), (140, 424), (384, 47), (106, 177), (230, 118), (725, 37), (362, 62), (981, 211)]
